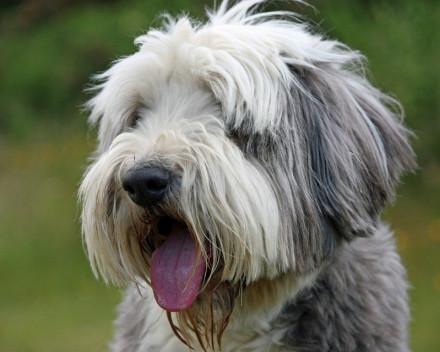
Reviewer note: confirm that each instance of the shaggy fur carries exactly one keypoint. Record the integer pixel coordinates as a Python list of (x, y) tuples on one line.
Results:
[(279, 157)]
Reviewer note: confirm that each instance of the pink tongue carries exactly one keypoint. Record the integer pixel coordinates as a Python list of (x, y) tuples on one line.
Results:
[(175, 275)]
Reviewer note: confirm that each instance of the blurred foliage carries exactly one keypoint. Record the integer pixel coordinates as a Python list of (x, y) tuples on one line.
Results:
[(401, 41), (46, 57), (49, 300)]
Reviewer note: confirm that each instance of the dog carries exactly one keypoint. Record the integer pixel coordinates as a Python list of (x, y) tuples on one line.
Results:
[(236, 190)]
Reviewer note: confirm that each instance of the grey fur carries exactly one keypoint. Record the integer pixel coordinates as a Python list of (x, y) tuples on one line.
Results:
[(131, 313), (359, 302), (335, 159)]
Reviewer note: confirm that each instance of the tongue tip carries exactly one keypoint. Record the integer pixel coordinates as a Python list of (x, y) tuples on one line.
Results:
[(172, 306), (174, 298)]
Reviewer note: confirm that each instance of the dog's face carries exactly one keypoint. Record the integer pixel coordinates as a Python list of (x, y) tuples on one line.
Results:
[(233, 152)]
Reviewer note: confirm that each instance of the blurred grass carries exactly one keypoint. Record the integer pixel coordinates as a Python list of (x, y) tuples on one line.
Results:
[(48, 296), (49, 300)]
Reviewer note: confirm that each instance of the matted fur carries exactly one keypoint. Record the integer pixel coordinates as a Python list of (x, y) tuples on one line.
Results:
[(282, 157)]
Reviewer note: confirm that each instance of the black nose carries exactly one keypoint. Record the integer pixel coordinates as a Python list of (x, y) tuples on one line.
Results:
[(146, 186)]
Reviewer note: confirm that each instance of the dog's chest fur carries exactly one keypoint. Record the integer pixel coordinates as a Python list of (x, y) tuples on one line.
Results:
[(152, 331)]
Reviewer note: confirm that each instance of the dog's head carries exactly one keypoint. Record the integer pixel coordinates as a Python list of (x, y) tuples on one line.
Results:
[(231, 152)]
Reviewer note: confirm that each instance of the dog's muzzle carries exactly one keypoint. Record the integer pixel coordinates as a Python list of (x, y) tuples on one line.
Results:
[(177, 267), (146, 186)]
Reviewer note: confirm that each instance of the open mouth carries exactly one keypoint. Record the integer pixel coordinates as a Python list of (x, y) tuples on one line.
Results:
[(177, 266), (164, 225)]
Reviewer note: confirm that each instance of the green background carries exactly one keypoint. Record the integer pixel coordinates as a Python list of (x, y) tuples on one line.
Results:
[(49, 300)]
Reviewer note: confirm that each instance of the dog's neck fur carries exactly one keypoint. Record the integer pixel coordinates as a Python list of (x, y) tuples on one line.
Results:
[(267, 298), (258, 306)]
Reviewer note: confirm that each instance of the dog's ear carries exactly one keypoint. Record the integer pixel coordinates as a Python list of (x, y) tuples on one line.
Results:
[(356, 144), (335, 146)]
